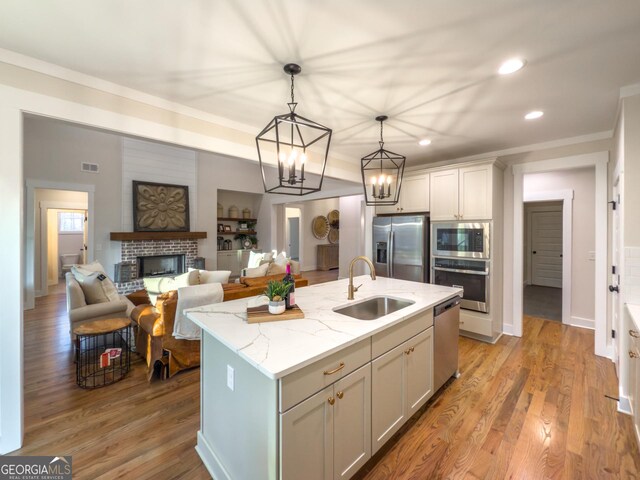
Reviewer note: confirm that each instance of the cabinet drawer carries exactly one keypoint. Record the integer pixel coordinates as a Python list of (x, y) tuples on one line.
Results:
[(392, 337), (479, 325), (305, 382)]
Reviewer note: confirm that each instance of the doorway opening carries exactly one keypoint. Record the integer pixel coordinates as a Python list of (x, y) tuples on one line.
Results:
[(293, 232), (61, 232), (543, 257)]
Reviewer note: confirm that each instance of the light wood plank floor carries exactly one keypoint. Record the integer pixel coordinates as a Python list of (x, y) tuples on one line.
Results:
[(525, 408)]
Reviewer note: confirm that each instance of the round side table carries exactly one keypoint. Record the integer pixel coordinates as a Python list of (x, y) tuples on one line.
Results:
[(102, 352)]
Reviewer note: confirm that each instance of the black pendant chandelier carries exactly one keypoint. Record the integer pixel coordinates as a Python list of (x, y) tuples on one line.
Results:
[(382, 173), (287, 139)]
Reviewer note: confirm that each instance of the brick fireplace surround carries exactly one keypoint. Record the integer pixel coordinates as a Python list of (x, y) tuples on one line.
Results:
[(131, 249)]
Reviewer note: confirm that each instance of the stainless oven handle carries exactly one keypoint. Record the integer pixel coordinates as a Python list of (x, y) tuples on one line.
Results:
[(454, 270)]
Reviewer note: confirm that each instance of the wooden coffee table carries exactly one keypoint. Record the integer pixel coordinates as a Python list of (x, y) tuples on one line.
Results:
[(102, 352)]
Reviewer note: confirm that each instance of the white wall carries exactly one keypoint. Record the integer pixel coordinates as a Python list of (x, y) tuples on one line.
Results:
[(352, 234), (547, 154), (158, 163), (54, 150), (582, 182), (309, 243)]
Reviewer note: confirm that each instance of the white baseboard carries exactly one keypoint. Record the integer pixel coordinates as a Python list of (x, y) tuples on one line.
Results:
[(582, 322), (507, 329), (210, 460)]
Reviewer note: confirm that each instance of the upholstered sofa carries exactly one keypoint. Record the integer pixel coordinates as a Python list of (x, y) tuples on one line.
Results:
[(82, 310), (155, 341)]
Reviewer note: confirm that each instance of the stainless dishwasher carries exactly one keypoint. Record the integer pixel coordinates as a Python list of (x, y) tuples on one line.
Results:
[(446, 321)]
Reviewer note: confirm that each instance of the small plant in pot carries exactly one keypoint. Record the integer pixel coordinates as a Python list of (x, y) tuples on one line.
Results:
[(276, 291)]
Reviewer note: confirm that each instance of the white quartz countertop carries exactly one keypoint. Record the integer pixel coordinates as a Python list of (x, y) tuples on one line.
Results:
[(282, 347), (634, 311)]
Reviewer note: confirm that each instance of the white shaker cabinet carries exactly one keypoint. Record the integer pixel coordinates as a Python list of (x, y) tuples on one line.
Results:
[(328, 436), (461, 194), (402, 382), (414, 196)]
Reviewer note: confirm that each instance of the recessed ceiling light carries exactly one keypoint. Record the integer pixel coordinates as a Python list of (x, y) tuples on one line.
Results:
[(424, 142), (533, 115), (510, 66)]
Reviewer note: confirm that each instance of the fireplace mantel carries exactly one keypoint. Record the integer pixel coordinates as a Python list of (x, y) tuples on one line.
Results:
[(157, 235)]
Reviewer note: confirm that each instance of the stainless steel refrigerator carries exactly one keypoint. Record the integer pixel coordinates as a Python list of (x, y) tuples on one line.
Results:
[(401, 247)]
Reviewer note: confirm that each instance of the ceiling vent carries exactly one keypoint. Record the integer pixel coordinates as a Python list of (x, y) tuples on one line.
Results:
[(90, 167)]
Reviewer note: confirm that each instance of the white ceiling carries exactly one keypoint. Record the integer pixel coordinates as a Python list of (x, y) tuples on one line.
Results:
[(430, 65)]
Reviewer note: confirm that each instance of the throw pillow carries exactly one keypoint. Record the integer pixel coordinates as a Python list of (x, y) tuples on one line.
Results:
[(267, 256), (276, 268), (260, 271), (281, 259), (187, 279), (252, 282), (82, 271), (93, 288), (214, 276), (254, 259)]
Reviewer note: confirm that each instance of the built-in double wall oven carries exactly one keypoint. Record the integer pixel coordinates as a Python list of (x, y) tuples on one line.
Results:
[(460, 258)]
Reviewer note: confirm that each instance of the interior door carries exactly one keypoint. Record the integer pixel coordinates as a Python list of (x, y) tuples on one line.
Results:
[(408, 248), (546, 249), (294, 238), (85, 236), (614, 285)]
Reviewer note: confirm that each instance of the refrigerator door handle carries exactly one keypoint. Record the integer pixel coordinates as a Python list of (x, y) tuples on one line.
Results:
[(391, 254)]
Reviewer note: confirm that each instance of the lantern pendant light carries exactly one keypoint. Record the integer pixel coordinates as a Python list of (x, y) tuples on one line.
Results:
[(286, 140), (382, 173)]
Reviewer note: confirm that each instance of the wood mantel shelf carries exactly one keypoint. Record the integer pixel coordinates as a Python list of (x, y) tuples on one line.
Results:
[(157, 235)]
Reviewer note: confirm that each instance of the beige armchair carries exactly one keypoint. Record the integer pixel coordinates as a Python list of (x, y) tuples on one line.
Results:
[(79, 312)]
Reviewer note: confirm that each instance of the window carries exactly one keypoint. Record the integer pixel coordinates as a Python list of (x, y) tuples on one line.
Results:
[(70, 222)]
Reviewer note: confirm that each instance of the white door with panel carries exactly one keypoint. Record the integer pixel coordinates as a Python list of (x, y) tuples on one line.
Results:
[(474, 196), (328, 436), (306, 448), (402, 382), (546, 249)]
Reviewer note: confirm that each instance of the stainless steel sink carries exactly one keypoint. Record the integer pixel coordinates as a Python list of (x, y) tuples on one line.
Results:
[(373, 308)]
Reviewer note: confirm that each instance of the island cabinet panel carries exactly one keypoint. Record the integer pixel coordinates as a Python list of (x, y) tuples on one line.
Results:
[(402, 381), (237, 420), (306, 440), (328, 436), (388, 396), (308, 380), (419, 357), (393, 336)]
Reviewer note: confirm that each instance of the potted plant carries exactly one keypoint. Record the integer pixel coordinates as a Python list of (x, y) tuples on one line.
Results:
[(276, 291)]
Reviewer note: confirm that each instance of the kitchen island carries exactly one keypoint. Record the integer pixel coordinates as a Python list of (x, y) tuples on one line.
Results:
[(316, 397)]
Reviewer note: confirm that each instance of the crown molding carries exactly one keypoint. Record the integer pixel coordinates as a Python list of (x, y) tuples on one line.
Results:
[(63, 73)]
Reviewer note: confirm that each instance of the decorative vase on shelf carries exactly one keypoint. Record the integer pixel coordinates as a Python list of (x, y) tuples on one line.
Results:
[(246, 213), (233, 212), (276, 308), (220, 211)]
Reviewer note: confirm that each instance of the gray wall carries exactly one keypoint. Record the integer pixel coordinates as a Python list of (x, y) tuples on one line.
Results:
[(54, 150)]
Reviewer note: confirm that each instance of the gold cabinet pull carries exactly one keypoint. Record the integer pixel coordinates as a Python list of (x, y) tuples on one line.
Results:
[(633, 354), (331, 400), (634, 333), (340, 395), (337, 369), (409, 350)]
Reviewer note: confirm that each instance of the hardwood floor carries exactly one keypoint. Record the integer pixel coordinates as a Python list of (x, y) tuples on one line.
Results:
[(320, 276), (535, 407), (525, 408)]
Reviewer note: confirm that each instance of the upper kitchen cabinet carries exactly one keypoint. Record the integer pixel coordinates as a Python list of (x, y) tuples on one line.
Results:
[(414, 196), (462, 194)]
